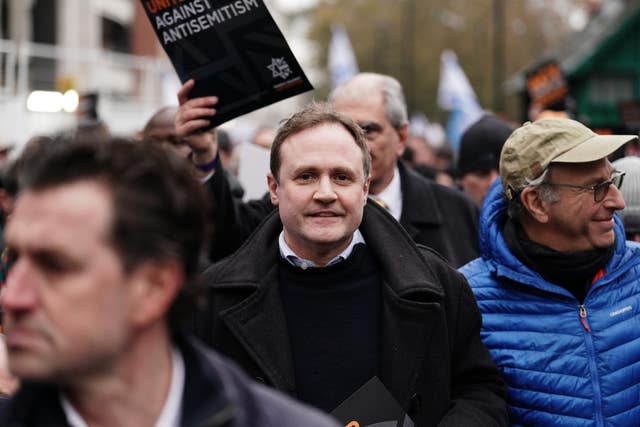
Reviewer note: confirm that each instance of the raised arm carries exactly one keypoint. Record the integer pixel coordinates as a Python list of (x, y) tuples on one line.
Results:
[(232, 220)]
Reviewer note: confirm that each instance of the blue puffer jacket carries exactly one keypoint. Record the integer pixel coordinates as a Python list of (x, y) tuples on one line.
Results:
[(561, 369)]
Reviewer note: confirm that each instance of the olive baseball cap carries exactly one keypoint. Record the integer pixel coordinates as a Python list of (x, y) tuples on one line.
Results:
[(534, 146)]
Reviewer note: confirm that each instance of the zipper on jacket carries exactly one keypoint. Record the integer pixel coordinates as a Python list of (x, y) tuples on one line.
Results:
[(583, 318), (593, 368)]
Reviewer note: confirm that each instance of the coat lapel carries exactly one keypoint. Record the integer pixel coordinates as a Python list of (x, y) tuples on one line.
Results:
[(258, 322), (406, 337), (260, 326), (419, 205), (411, 302)]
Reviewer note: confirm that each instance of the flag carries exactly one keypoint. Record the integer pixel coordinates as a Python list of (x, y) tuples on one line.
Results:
[(342, 62), (456, 95)]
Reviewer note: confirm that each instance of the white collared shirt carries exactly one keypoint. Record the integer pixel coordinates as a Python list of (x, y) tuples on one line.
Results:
[(392, 195), (171, 413), (287, 253)]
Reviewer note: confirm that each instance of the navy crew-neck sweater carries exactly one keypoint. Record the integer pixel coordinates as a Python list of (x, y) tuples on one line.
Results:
[(333, 319)]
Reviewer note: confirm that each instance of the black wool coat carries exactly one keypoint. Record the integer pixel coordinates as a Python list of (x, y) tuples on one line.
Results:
[(432, 359), (439, 217)]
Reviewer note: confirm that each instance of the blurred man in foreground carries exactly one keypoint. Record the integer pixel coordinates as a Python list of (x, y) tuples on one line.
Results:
[(104, 245)]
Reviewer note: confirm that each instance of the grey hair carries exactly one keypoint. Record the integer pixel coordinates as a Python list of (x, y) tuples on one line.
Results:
[(547, 193), (393, 100)]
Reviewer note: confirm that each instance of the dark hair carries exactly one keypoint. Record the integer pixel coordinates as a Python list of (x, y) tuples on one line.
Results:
[(316, 114), (158, 205)]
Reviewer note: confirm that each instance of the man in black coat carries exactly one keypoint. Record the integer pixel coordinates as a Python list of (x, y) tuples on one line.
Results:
[(104, 245), (330, 291), (433, 215)]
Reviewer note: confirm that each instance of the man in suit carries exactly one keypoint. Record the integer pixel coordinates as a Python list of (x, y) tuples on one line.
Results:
[(330, 291), (433, 215)]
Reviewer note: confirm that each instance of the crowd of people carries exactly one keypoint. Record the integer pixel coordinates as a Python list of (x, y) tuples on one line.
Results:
[(140, 289)]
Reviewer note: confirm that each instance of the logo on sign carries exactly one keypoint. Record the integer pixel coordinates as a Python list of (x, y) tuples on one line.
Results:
[(279, 68)]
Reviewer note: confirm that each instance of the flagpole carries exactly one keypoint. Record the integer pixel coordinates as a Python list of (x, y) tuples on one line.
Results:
[(410, 57), (498, 55)]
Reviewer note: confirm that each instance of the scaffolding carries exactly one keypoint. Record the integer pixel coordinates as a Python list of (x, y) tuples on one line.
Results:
[(130, 87)]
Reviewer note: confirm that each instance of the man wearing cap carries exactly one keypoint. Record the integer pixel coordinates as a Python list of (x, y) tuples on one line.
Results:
[(479, 154), (557, 283)]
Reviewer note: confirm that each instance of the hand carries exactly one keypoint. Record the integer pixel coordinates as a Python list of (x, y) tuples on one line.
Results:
[(191, 120)]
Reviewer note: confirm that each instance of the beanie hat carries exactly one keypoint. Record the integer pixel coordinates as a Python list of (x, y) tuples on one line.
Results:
[(481, 144), (630, 192), (534, 146)]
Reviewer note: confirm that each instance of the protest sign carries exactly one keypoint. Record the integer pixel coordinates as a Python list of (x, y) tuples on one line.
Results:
[(232, 48), (546, 85)]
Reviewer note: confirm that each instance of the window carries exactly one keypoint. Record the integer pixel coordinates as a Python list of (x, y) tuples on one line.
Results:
[(115, 36), (611, 90)]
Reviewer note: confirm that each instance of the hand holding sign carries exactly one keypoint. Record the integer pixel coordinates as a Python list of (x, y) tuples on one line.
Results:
[(195, 114), (192, 119), (232, 49)]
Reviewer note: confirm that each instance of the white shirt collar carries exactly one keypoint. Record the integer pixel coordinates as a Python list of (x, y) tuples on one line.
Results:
[(171, 411), (392, 195), (287, 253)]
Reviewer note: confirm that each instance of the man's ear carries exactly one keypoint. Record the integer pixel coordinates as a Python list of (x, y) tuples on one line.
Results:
[(154, 285), (272, 183), (403, 137), (537, 208)]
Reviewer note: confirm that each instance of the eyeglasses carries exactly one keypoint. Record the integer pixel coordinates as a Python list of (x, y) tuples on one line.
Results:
[(599, 190)]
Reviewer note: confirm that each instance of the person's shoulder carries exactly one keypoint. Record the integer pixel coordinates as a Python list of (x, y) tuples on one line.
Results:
[(443, 272), (473, 269), (431, 255), (632, 246)]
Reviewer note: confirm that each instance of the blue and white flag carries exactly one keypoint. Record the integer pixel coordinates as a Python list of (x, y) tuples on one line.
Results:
[(342, 62), (456, 95)]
